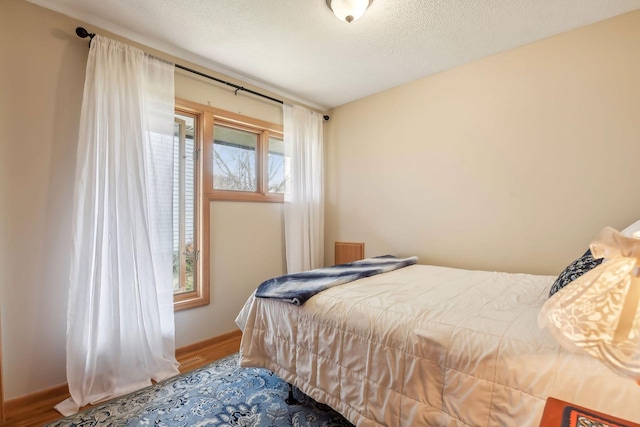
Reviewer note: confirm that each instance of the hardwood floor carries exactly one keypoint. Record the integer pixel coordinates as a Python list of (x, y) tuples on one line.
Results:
[(37, 412)]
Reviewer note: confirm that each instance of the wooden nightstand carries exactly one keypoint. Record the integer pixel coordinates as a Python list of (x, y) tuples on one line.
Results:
[(554, 416)]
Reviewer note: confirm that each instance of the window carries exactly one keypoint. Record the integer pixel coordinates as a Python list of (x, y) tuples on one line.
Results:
[(244, 160), (277, 166), (218, 155), (190, 287), (184, 205), (235, 159)]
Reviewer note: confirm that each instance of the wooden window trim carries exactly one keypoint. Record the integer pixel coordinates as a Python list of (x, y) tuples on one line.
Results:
[(212, 116), (200, 296), (1, 385)]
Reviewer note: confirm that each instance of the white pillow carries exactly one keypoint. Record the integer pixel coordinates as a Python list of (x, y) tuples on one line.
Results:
[(628, 232)]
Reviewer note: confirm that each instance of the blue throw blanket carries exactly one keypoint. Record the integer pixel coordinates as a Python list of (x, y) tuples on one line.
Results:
[(297, 288)]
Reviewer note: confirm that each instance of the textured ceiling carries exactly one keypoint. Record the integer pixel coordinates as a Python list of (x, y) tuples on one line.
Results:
[(298, 49)]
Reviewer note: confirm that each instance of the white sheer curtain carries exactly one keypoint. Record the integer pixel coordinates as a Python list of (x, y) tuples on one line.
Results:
[(304, 191), (120, 326)]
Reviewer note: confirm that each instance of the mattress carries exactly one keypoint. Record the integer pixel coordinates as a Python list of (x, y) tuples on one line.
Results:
[(429, 346)]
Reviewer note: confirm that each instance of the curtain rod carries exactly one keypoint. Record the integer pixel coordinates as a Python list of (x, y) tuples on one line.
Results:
[(83, 33)]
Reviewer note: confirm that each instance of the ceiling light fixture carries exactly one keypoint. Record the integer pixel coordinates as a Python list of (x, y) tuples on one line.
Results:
[(348, 10)]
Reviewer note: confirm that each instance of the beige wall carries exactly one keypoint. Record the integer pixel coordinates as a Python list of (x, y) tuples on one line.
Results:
[(247, 247), (41, 93), (43, 67), (509, 163)]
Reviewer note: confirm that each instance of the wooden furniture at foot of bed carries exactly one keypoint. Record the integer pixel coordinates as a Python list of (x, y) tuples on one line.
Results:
[(348, 252), (558, 413)]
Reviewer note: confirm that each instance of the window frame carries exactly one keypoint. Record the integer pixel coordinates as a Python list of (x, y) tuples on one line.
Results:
[(200, 295), (215, 116)]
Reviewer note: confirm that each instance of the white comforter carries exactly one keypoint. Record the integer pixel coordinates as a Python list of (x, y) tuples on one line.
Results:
[(429, 346)]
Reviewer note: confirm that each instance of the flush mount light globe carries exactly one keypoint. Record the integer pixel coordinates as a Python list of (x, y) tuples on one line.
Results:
[(348, 10)]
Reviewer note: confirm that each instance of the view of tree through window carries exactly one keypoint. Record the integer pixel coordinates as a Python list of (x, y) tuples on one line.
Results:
[(184, 205), (277, 166), (235, 160)]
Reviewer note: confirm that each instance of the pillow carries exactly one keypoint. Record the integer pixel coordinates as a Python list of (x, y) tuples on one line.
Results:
[(628, 232), (574, 270)]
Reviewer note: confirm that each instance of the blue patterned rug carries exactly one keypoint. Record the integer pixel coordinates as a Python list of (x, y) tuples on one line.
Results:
[(221, 394)]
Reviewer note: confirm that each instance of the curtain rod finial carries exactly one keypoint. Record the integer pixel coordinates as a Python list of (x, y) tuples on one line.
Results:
[(83, 33)]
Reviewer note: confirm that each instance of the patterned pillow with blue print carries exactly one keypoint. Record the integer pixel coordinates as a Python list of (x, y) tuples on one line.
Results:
[(574, 270)]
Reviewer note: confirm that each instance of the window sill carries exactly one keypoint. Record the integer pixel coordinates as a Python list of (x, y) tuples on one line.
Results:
[(241, 196), (189, 300)]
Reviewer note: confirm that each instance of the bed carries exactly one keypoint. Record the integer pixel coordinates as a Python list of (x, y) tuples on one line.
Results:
[(429, 346)]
